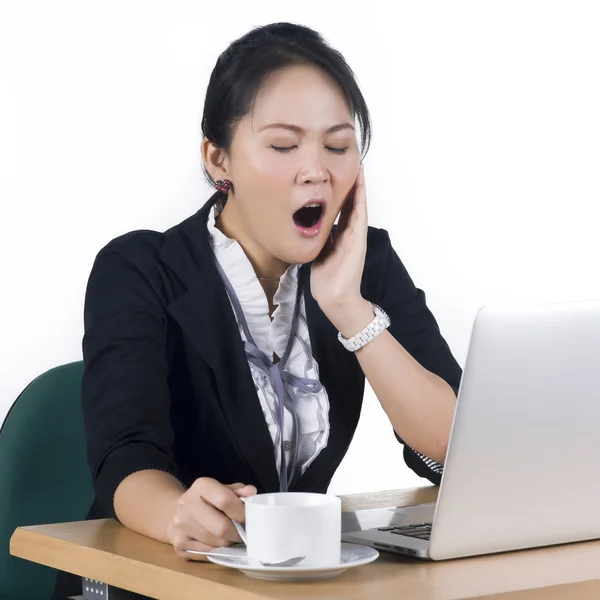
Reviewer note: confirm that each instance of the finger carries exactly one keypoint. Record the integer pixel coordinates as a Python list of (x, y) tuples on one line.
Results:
[(243, 491), (356, 197), (359, 214), (326, 250), (224, 499), (235, 486), (190, 528), (191, 520), (184, 544), (346, 211), (217, 522), (198, 503)]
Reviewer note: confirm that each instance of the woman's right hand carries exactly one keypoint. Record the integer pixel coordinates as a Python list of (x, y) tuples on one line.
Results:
[(202, 520)]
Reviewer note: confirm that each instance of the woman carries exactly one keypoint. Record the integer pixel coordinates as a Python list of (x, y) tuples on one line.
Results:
[(222, 356)]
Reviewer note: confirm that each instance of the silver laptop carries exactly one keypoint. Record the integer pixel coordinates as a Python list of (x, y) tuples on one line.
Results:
[(522, 464)]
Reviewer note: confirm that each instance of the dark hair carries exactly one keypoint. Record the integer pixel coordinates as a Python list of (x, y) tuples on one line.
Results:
[(244, 65)]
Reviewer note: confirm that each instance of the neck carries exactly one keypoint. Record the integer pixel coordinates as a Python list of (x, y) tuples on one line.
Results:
[(267, 268)]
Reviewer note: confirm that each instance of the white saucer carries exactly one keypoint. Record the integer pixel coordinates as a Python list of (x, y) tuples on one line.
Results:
[(352, 555)]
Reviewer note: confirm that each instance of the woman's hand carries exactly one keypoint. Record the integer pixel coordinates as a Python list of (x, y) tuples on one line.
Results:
[(336, 275), (202, 520)]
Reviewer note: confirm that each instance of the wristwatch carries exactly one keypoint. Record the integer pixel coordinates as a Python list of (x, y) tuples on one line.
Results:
[(379, 323)]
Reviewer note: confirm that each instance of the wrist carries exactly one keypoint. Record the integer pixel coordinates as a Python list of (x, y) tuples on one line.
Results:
[(350, 317), (379, 323)]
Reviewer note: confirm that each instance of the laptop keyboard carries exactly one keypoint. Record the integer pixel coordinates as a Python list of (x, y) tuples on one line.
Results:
[(421, 531)]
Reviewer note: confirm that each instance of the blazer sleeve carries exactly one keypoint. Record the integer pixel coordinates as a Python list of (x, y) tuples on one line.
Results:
[(415, 328), (125, 393)]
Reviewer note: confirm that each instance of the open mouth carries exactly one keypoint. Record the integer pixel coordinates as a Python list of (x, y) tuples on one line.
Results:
[(308, 216)]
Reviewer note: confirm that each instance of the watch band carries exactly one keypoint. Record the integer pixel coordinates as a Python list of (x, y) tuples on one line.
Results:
[(379, 323)]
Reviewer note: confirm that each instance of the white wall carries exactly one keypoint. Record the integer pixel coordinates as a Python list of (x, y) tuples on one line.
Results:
[(484, 166)]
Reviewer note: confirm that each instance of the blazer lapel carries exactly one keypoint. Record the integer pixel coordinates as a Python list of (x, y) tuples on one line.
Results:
[(206, 317)]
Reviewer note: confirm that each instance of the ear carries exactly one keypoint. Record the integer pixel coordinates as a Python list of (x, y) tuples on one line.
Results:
[(215, 160)]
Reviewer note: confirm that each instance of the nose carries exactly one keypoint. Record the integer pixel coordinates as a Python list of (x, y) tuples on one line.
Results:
[(313, 172)]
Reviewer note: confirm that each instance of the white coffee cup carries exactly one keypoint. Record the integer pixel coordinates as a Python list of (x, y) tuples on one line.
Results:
[(285, 525)]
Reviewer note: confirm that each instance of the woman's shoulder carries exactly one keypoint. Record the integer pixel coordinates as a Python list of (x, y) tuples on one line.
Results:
[(148, 262), (128, 267), (141, 246), (176, 250)]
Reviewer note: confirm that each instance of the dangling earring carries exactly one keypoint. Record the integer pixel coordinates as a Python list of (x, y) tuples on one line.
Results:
[(223, 185)]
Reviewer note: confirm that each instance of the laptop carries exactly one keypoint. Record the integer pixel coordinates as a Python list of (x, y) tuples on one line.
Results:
[(522, 464)]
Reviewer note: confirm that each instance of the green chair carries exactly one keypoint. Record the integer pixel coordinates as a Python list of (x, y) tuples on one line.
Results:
[(44, 477)]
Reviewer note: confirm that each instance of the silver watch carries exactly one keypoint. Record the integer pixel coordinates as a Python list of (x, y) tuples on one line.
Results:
[(379, 323)]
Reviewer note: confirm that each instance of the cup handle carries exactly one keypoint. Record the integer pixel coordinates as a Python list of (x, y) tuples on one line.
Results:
[(240, 530)]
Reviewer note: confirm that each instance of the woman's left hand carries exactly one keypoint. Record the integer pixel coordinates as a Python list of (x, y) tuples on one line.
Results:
[(336, 275)]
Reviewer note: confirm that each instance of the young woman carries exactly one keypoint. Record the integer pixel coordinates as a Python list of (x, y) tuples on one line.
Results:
[(228, 355)]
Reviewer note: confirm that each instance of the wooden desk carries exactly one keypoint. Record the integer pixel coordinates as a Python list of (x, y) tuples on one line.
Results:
[(106, 551)]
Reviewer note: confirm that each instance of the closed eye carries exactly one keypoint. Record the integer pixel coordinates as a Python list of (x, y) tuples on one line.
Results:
[(337, 150), (283, 149)]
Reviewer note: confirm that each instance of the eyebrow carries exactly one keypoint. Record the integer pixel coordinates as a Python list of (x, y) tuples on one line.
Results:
[(298, 129)]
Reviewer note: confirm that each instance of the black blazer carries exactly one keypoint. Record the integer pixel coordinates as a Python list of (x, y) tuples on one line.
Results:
[(166, 383)]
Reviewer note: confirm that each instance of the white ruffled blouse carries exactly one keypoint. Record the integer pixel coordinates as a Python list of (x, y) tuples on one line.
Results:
[(271, 336)]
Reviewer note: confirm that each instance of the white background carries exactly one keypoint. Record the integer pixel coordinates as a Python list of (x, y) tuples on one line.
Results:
[(484, 166)]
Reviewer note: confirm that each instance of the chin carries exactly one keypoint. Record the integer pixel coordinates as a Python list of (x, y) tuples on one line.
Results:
[(304, 256)]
